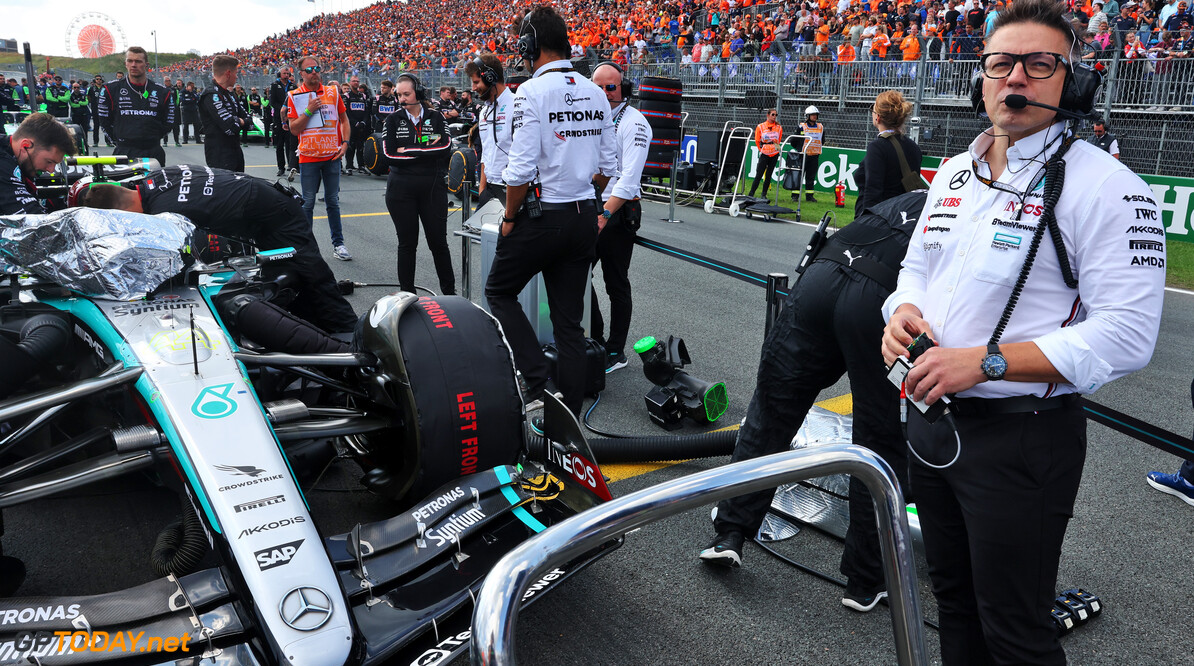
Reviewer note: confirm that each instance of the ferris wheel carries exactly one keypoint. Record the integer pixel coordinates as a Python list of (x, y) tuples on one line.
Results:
[(92, 35)]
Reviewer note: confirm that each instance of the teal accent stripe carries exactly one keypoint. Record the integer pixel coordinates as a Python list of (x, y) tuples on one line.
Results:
[(147, 391), (270, 253), (207, 292), (91, 315), (527, 519)]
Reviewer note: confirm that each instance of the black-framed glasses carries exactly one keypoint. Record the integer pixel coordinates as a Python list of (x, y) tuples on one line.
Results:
[(1037, 65), (772, 115), (312, 69)]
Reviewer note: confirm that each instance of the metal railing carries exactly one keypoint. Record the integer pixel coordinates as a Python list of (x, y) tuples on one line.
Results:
[(496, 610)]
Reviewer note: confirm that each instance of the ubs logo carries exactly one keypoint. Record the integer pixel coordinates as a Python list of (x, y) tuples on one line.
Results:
[(959, 180)]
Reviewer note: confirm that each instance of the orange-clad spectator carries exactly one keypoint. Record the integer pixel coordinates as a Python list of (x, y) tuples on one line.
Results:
[(910, 45), (879, 43), (845, 52), (320, 122), (769, 134)]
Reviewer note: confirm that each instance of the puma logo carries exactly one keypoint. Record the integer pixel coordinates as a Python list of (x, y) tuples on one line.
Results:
[(904, 216), (850, 257)]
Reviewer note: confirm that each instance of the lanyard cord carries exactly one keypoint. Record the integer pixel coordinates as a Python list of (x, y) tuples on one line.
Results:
[(1054, 176)]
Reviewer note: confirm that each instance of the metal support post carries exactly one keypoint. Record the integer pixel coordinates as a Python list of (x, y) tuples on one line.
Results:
[(671, 203), (1161, 147), (495, 612)]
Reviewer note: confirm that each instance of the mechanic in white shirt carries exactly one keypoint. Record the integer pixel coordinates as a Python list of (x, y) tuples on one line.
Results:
[(562, 134), (995, 482), (489, 85), (621, 213)]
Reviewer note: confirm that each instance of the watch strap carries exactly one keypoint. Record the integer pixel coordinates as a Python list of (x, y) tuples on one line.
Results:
[(993, 349)]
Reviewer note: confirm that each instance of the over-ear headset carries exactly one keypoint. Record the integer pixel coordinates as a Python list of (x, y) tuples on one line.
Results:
[(528, 42), (627, 84), (420, 91), (1078, 92), (488, 76)]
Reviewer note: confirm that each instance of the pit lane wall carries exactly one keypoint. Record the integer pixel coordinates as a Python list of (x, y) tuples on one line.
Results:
[(1175, 196)]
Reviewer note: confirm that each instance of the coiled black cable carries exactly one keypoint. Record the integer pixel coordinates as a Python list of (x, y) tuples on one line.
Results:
[(180, 546), (1054, 182)]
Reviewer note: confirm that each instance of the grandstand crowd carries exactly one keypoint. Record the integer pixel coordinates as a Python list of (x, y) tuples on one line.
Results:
[(390, 36)]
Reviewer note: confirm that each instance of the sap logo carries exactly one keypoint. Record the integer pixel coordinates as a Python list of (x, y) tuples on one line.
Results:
[(276, 556), (1029, 209), (272, 525), (1155, 262)]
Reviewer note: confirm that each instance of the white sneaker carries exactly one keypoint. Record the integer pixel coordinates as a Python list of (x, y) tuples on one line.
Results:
[(341, 253)]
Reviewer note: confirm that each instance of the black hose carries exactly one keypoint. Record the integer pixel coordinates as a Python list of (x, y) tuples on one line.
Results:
[(42, 338), (180, 546), (658, 448)]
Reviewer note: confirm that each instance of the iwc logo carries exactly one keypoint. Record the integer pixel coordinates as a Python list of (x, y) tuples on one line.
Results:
[(305, 608)]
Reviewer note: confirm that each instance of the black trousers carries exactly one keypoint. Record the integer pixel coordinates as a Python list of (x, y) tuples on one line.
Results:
[(356, 146), (150, 149), (831, 324), (615, 245), (410, 199), (763, 171), (83, 120), (811, 162), (561, 246), (275, 220), (95, 128), (224, 152), (191, 120), (993, 527), (286, 147), (266, 124)]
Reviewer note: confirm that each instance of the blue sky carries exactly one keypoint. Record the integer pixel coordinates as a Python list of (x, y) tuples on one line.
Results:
[(209, 26)]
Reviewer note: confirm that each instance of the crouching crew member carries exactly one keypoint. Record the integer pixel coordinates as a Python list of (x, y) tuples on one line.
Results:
[(489, 84), (562, 134), (38, 144), (417, 145), (222, 117), (621, 213), (233, 204)]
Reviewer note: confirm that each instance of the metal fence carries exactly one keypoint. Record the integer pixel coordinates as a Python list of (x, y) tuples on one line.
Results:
[(1149, 104)]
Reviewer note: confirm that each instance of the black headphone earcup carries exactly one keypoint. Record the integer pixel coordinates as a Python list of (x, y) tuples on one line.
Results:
[(1081, 87), (976, 95)]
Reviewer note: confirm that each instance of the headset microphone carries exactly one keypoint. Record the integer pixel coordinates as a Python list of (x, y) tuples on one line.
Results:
[(1020, 101)]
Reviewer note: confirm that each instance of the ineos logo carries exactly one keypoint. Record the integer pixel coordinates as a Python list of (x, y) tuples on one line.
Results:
[(959, 180)]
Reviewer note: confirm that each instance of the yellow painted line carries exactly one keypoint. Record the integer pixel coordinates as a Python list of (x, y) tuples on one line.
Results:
[(262, 166), (840, 405), (324, 217)]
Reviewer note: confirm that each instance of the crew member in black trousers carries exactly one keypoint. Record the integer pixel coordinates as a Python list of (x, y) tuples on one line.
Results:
[(830, 325), (416, 190)]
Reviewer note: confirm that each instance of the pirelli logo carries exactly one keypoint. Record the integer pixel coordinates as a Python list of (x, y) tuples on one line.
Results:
[(257, 504), (1136, 244)]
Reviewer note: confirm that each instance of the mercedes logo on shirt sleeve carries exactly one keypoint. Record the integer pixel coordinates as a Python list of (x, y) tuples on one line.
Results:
[(960, 178), (305, 608)]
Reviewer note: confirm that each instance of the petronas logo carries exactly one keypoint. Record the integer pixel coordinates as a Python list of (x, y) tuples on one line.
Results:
[(214, 402)]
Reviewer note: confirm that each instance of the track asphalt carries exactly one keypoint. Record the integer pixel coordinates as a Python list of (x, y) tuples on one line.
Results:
[(652, 601)]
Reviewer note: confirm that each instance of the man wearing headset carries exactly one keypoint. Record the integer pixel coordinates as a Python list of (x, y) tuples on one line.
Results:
[(562, 134), (995, 480), (489, 85), (622, 211), (417, 145)]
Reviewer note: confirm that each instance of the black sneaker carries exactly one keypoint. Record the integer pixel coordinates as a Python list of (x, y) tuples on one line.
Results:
[(862, 601), (281, 172), (809, 197), (615, 361), (725, 550)]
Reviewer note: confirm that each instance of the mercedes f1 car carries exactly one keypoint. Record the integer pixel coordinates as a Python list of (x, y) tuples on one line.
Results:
[(218, 394)]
